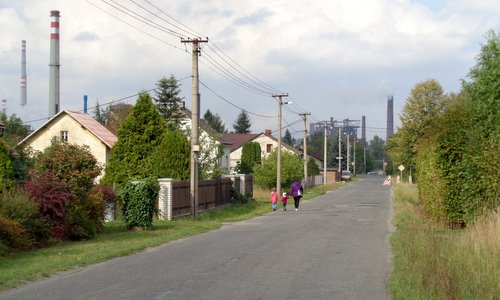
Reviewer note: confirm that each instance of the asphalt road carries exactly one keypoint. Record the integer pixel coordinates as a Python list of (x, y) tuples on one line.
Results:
[(335, 247)]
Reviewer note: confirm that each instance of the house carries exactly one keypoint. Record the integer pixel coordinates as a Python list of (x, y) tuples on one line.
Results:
[(318, 158), (215, 149), (267, 143), (75, 128)]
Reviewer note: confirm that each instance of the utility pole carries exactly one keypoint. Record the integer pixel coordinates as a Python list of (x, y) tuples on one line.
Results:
[(304, 117), (325, 150), (340, 154), (348, 162), (278, 163), (354, 159), (324, 158), (195, 120), (364, 155)]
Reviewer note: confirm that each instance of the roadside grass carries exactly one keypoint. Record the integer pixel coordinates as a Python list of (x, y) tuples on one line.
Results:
[(434, 262), (115, 240)]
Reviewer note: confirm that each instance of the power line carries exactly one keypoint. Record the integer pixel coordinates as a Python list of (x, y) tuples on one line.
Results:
[(135, 27), (233, 77), (229, 102), (155, 6), (143, 19), (168, 22), (262, 85)]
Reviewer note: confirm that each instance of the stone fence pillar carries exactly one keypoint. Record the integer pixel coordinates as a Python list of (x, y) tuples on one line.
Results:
[(165, 199)]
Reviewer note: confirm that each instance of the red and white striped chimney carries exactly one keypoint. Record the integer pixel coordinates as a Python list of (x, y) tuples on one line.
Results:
[(54, 104)]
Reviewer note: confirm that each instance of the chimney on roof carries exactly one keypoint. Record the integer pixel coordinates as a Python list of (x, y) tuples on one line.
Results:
[(267, 132)]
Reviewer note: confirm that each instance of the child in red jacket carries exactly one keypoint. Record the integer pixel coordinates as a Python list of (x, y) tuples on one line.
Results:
[(284, 200), (274, 199)]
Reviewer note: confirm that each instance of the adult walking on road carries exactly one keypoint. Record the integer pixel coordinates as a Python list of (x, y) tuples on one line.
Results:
[(296, 191)]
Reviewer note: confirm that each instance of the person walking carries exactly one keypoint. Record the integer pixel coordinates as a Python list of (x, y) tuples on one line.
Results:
[(284, 200), (274, 199), (296, 191)]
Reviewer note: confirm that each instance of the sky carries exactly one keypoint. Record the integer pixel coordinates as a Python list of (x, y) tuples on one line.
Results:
[(335, 59)]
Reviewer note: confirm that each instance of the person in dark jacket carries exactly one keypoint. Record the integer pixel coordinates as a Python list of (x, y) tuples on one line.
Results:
[(296, 191)]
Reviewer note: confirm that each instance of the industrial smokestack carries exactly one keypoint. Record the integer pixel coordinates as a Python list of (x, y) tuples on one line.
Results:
[(54, 103), (23, 73), (390, 117), (363, 128), (4, 106)]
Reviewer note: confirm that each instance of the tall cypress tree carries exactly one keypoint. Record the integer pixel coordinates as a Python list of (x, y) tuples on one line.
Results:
[(242, 123), (138, 137)]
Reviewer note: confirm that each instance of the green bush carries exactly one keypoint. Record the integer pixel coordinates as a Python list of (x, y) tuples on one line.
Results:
[(16, 206), (12, 236), (6, 169), (72, 164), (139, 203), (292, 167)]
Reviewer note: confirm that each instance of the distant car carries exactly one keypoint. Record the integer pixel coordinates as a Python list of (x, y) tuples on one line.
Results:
[(346, 176)]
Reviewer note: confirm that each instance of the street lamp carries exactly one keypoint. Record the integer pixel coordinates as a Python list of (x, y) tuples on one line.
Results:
[(354, 160)]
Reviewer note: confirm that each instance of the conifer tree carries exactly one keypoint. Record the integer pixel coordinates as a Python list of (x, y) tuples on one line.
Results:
[(168, 101), (138, 137), (288, 139), (242, 123), (214, 121)]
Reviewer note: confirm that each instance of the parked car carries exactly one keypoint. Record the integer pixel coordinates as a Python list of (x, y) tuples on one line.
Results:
[(346, 176)]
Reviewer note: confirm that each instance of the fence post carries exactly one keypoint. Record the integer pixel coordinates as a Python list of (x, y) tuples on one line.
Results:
[(165, 199)]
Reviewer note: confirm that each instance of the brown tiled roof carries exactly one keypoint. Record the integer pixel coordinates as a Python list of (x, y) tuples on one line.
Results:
[(315, 154), (101, 132), (238, 139)]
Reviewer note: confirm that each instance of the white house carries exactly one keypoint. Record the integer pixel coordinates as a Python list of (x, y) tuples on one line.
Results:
[(75, 128), (267, 143)]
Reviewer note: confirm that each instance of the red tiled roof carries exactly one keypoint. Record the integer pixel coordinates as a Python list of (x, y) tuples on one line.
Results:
[(101, 132), (238, 139)]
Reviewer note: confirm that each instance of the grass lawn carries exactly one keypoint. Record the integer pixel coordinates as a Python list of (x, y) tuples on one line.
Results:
[(115, 240)]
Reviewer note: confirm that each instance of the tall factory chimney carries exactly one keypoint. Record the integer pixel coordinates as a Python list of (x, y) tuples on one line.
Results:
[(4, 106), (54, 103), (390, 117), (23, 73), (363, 128)]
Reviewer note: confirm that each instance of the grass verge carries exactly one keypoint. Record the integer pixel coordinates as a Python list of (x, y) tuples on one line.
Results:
[(434, 262), (115, 240)]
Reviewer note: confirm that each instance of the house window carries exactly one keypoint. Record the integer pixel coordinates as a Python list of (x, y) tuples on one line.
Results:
[(64, 136), (269, 148)]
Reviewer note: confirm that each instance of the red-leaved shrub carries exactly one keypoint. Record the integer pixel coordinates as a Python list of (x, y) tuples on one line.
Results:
[(53, 199)]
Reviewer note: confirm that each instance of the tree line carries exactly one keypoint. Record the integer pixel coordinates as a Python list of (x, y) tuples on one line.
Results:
[(452, 141)]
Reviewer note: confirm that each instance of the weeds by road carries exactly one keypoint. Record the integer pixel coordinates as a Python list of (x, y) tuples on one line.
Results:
[(434, 262)]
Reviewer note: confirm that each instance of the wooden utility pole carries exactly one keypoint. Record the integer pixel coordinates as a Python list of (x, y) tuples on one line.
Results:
[(195, 120), (278, 163), (324, 157), (340, 154), (304, 117)]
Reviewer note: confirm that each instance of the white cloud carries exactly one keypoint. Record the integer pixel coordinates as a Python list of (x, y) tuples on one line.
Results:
[(335, 58)]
